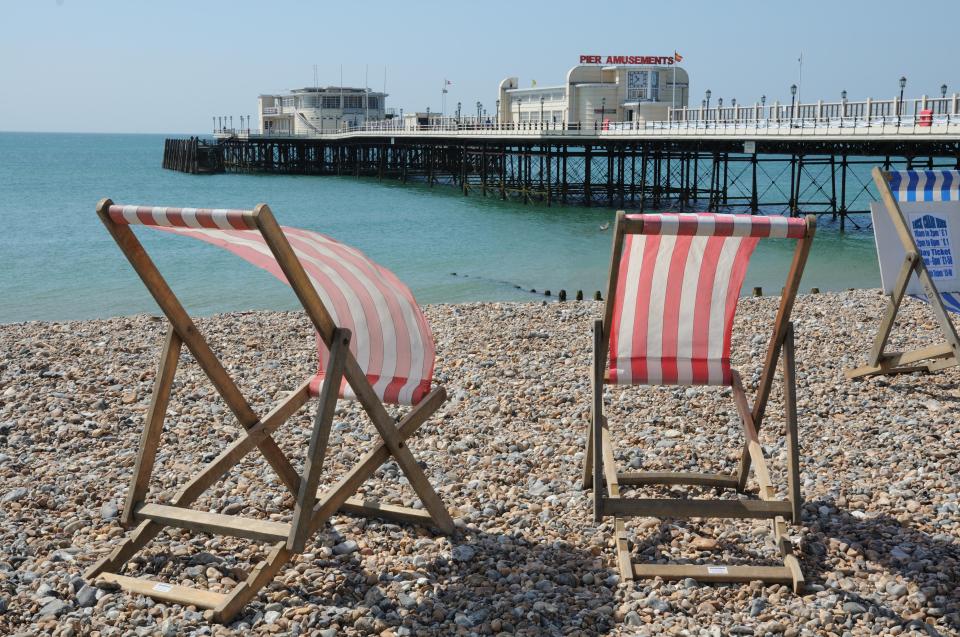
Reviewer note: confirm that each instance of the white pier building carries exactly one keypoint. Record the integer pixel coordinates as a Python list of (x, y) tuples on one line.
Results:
[(595, 93), (309, 111)]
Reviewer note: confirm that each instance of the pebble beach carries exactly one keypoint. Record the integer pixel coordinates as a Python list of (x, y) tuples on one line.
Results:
[(879, 541)]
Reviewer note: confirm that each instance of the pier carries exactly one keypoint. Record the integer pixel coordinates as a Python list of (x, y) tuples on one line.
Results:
[(786, 159)]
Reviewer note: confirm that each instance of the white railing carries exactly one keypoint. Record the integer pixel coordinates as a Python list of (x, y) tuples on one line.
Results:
[(888, 125), (865, 109)]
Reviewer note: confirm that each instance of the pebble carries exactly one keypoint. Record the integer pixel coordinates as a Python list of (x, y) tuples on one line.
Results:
[(87, 596), (463, 553), (880, 518), (109, 510), (345, 548)]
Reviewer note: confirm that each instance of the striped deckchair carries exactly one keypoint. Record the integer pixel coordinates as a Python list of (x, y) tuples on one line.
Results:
[(374, 346), (668, 320), (915, 225)]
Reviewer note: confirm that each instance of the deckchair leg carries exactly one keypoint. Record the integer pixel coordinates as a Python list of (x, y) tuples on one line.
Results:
[(313, 464), (139, 537), (586, 481), (793, 438), (259, 577), (596, 412), (597, 421), (753, 452), (893, 306), (153, 427)]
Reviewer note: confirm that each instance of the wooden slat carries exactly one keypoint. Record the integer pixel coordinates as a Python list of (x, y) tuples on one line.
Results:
[(375, 509), (153, 425), (895, 359), (678, 477), (596, 416), (787, 300), (793, 565), (313, 464), (753, 448), (620, 227), (137, 539), (793, 435), (718, 573), (613, 489), (183, 595), (217, 523), (692, 508), (870, 370)]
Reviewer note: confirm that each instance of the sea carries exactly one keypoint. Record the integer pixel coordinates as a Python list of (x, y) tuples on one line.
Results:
[(57, 261)]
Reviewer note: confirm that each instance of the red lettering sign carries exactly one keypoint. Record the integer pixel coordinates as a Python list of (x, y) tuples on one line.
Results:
[(628, 59)]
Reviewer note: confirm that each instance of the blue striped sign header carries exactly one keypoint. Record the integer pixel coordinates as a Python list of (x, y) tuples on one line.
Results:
[(925, 185)]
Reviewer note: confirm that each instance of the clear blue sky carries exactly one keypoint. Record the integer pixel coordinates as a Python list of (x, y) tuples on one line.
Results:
[(136, 66)]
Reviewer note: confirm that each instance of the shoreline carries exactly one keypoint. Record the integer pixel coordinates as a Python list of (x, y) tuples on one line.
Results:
[(880, 539)]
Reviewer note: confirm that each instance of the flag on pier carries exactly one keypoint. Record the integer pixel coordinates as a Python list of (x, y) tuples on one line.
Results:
[(677, 57)]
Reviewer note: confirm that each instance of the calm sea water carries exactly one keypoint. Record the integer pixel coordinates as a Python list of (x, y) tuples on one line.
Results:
[(58, 262)]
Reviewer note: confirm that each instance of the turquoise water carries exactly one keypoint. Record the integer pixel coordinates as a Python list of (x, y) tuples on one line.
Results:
[(58, 262)]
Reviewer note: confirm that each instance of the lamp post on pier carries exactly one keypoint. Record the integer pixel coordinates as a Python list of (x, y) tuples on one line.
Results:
[(903, 85), (763, 105), (541, 111), (843, 98), (479, 108), (603, 110), (458, 112), (719, 107), (733, 103), (707, 94), (498, 112), (793, 102), (943, 90)]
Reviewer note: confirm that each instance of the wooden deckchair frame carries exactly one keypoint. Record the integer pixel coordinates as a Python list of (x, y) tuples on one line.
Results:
[(601, 474), (312, 507), (941, 356)]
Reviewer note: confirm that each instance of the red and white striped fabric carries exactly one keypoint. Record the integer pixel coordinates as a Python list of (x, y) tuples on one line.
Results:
[(213, 218), (391, 338), (676, 295)]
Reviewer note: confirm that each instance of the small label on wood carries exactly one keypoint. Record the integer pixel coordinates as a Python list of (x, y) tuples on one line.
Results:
[(162, 588), (717, 570)]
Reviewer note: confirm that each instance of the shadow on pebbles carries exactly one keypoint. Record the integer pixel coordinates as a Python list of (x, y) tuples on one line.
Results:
[(881, 475)]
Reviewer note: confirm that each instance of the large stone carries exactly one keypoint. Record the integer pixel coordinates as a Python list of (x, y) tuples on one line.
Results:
[(15, 494), (704, 544), (345, 548), (53, 608), (109, 510), (463, 553), (86, 596)]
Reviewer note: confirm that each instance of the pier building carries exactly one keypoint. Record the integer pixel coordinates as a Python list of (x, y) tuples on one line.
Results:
[(319, 109), (594, 93)]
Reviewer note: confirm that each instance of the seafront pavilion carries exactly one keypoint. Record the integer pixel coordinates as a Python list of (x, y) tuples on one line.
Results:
[(785, 158)]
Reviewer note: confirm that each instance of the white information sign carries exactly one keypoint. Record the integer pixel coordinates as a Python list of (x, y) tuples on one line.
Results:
[(934, 226)]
